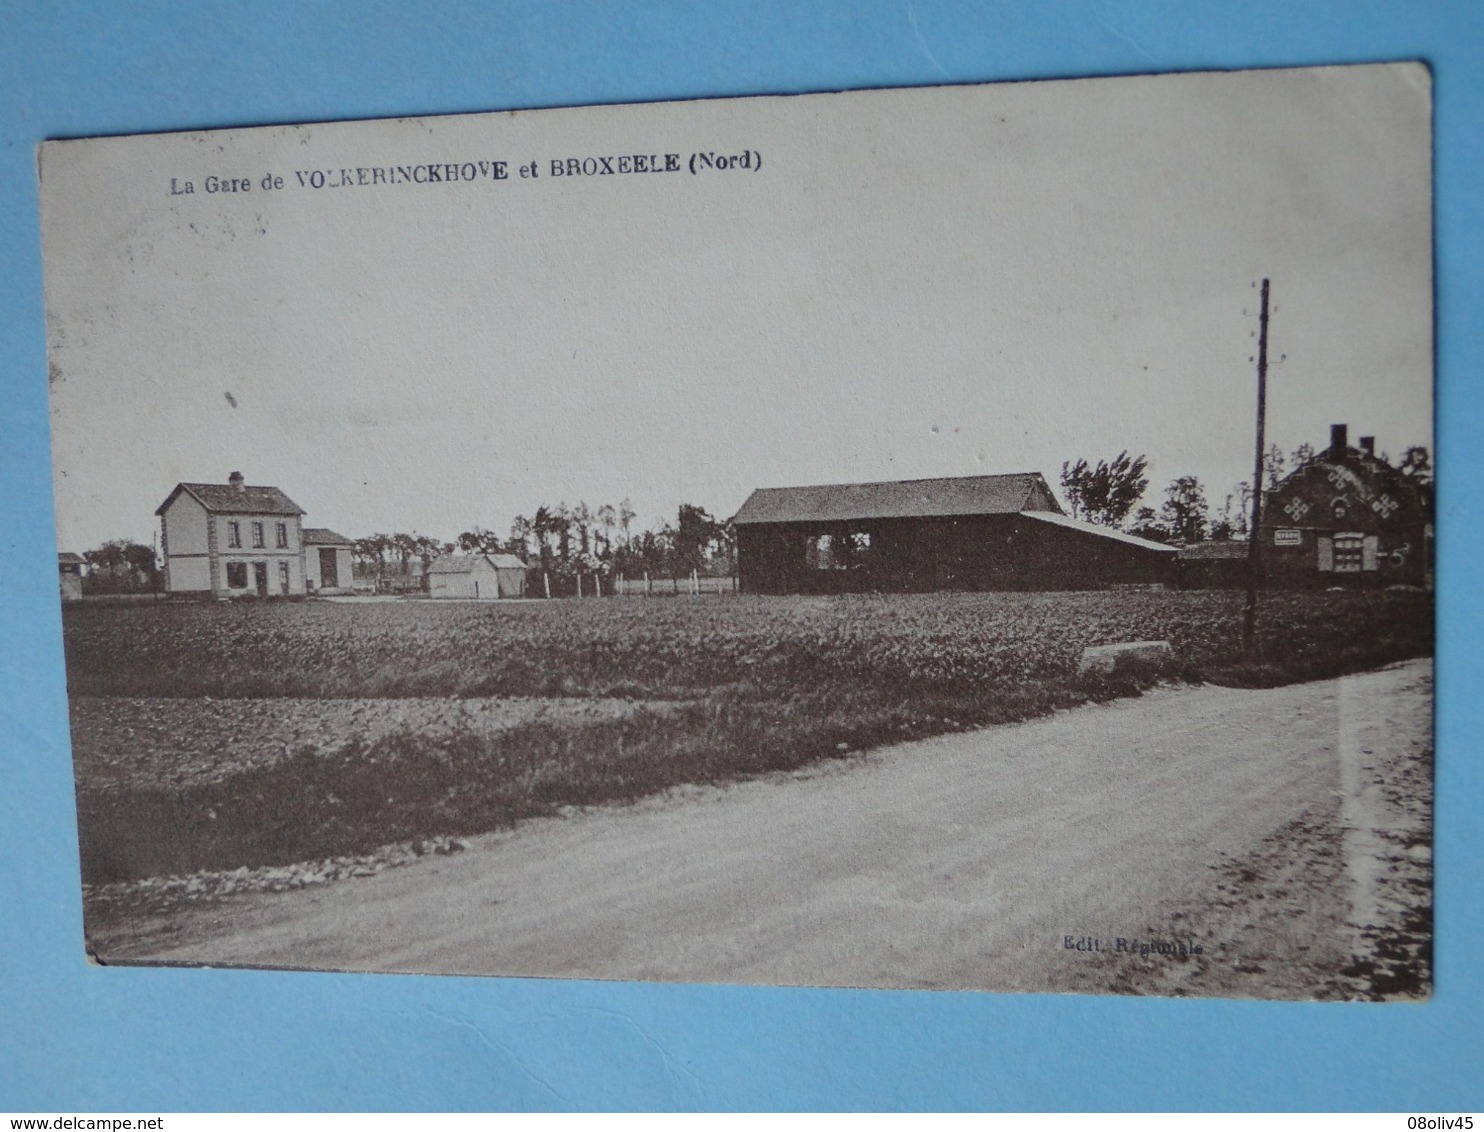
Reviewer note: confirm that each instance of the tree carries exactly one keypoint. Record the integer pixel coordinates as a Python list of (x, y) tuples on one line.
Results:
[(607, 519), (696, 536), (1223, 527), (1272, 468), (406, 548), (1106, 493), (542, 528), (1242, 528), (1302, 455), (656, 550), (122, 566), (561, 526), (370, 556), (521, 533), (1146, 524), (1416, 464), (626, 517), (1185, 512), (481, 540)]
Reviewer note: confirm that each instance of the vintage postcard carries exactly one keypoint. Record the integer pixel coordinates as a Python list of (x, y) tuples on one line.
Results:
[(975, 537)]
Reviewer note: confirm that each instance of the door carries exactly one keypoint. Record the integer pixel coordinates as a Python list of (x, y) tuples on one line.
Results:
[(329, 575), (260, 577)]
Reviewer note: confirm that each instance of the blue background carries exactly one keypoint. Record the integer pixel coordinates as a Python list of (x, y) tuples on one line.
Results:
[(78, 1038)]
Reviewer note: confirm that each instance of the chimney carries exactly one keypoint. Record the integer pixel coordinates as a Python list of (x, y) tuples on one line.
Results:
[(1338, 439), (1368, 445), (235, 480)]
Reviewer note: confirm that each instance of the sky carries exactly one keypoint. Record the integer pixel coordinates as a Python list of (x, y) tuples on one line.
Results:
[(907, 284)]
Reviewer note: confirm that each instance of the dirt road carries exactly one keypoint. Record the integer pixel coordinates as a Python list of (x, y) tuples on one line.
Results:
[(1273, 829)]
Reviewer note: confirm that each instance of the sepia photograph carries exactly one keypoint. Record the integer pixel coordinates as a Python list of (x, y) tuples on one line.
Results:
[(956, 538)]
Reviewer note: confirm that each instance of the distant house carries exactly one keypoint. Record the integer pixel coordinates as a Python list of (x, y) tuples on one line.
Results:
[(482, 577), (1005, 532), (231, 539), (1346, 517), (69, 566), (327, 561)]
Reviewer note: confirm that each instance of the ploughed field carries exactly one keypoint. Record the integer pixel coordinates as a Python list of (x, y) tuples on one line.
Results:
[(218, 737)]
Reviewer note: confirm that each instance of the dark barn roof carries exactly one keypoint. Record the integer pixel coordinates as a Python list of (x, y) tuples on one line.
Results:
[(901, 499), (224, 499)]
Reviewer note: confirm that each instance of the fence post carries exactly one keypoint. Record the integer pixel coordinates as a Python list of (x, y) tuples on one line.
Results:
[(546, 583)]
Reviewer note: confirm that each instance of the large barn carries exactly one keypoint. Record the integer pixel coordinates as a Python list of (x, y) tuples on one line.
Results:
[(1003, 532)]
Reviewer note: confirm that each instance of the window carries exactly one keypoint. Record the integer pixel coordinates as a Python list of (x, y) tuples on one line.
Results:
[(283, 574), (234, 536), (819, 552), (282, 530), (257, 536), (236, 574), (1349, 554)]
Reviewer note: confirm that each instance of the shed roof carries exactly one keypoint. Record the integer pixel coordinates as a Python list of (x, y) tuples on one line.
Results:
[(459, 563), (1098, 529), (506, 561), (224, 499), (1208, 551), (898, 499), (323, 536), (67, 558)]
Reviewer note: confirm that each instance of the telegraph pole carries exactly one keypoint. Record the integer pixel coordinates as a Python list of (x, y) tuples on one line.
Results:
[(1254, 550)]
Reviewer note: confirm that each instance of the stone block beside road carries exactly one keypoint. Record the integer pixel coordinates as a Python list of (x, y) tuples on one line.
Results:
[(1142, 656)]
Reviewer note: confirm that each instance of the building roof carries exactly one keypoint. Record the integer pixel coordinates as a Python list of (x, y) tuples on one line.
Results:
[(224, 499), (458, 563), (899, 499), (1097, 529), (323, 536), (67, 558), (1208, 551), (465, 563)]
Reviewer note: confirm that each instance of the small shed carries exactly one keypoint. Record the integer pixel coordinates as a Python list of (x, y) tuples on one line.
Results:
[(512, 573), (69, 567), (327, 561), (1220, 564), (478, 577)]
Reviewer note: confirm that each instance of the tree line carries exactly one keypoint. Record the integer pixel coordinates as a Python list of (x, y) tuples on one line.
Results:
[(568, 541), (1109, 493)]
